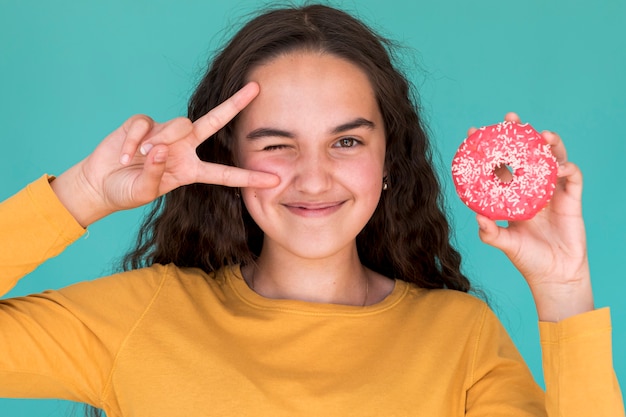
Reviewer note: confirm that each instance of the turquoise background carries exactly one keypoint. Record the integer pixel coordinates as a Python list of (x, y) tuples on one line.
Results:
[(71, 72)]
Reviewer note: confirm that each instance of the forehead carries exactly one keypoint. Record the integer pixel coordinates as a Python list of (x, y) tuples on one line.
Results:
[(311, 88)]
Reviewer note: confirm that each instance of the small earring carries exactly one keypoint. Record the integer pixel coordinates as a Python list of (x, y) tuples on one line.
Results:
[(237, 193), (385, 184)]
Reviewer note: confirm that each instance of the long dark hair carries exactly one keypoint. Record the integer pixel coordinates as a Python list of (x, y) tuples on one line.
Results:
[(208, 226)]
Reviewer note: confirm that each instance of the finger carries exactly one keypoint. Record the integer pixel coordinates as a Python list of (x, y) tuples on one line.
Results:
[(168, 133), (217, 118), (147, 185), (573, 183), (230, 176), (511, 117), (556, 146), (492, 234), (136, 128)]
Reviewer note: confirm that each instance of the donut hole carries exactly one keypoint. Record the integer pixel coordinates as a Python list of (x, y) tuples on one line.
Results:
[(504, 173)]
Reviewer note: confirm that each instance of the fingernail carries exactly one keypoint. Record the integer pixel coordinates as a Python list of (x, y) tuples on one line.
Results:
[(145, 148), (124, 159)]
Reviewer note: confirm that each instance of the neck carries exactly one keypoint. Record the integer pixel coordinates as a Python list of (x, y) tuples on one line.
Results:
[(339, 279)]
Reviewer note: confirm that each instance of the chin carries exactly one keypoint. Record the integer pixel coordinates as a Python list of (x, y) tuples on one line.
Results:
[(315, 248)]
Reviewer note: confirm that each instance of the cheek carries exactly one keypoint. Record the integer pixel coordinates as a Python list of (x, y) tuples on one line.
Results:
[(373, 181), (369, 180), (368, 171)]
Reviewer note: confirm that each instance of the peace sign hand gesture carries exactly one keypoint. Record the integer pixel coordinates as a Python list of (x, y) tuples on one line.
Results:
[(143, 160)]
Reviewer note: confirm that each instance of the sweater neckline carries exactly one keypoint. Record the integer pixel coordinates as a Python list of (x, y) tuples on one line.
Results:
[(234, 279)]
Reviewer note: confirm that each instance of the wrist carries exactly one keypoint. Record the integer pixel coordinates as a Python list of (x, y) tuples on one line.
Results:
[(559, 301), (79, 197)]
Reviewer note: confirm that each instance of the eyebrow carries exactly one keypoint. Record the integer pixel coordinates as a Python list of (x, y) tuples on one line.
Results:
[(354, 124), (268, 132), (359, 122)]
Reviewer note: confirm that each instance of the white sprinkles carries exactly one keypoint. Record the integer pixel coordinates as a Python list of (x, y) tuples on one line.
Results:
[(521, 148)]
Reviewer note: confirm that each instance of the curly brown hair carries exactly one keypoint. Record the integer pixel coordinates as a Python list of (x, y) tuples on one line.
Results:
[(208, 226)]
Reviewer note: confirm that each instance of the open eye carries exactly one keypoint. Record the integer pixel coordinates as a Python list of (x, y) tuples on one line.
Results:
[(347, 142)]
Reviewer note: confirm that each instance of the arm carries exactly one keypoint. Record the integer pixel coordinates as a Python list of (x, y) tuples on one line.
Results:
[(62, 344), (65, 344), (36, 331), (550, 252), (143, 160), (135, 164), (578, 366), (34, 226)]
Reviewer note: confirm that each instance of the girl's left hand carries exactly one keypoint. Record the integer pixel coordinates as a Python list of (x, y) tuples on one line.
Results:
[(550, 249)]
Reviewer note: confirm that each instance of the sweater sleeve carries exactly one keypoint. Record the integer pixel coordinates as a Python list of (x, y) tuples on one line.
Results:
[(34, 226), (578, 367), (64, 344), (61, 344)]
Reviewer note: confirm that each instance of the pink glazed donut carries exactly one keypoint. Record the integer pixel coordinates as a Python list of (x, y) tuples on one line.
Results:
[(524, 152)]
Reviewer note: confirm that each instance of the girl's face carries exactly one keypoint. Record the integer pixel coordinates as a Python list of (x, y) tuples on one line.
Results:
[(315, 124)]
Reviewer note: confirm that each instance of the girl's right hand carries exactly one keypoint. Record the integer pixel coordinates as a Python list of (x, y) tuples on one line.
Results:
[(143, 160)]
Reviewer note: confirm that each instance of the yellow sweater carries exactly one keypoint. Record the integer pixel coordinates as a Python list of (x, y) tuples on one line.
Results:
[(168, 341)]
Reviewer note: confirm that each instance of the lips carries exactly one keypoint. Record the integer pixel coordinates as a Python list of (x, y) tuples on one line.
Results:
[(317, 209)]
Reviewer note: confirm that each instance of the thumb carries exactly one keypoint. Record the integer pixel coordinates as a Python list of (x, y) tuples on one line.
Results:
[(492, 234)]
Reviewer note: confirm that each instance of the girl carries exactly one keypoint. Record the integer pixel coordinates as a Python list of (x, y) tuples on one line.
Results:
[(297, 260)]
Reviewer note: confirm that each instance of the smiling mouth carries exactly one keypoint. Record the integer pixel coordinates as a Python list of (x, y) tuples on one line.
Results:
[(314, 209)]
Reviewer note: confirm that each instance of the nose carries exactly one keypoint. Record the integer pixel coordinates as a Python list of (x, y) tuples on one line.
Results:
[(313, 172)]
